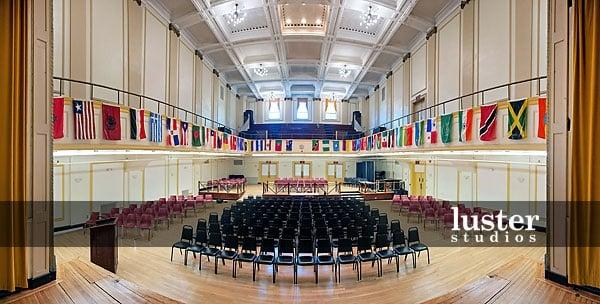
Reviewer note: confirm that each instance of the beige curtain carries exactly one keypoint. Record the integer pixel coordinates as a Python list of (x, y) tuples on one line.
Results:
[(584, 222), (13, 88)]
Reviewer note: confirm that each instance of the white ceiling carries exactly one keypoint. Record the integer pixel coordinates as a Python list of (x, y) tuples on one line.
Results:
[(303, 44)]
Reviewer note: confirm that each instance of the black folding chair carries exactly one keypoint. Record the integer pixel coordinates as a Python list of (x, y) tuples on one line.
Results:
[(415, 243), (185, 241)]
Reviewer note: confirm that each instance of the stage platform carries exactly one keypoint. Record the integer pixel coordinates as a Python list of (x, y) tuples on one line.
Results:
[(377, 196), (231, 196)]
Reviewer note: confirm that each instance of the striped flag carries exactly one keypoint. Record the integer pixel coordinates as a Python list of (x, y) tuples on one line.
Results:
[(184, 133), (487, 124), (137, 128), (85, 125), (155, 127), (172, 132)]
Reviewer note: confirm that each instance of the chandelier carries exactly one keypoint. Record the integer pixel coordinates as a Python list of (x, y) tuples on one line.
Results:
[(236, 17), (344, 71), (261, 70), (369, 18)]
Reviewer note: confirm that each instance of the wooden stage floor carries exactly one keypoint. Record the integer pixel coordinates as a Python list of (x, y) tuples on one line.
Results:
[(456, 274)]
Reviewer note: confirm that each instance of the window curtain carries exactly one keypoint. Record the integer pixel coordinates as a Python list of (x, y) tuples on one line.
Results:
[(584, 208), (13, 118)]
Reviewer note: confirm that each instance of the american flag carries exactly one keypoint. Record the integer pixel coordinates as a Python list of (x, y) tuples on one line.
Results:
[(184, 133), (85, 125), (173, 132)]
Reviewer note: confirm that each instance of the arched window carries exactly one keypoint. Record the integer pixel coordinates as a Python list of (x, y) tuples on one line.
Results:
[(274, 110), (330, 110), (302, 109)]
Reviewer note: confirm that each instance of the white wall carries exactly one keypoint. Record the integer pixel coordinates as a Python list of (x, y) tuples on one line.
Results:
[(85, 183), (120, 44), (488, 43)]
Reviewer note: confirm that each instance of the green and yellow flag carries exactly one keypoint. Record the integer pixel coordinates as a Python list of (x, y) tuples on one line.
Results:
[(517, 119)]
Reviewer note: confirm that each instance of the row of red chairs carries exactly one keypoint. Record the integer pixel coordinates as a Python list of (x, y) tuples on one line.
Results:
[(430, 210), (152, 213)]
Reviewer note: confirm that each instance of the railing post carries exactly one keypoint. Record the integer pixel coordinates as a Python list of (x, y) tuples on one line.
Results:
[(508, 89), (60, 87), (118, 98), (92, 92)]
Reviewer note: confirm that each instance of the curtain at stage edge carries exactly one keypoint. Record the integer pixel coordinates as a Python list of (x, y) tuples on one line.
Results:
[(584, 261), (13, 118)]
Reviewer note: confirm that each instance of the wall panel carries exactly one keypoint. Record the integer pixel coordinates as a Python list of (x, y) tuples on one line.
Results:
[(155, 60), (494, 46), (449, 63), (107, 51)]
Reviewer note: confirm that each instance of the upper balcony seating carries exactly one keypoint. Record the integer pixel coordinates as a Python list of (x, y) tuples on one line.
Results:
[(301, 131)]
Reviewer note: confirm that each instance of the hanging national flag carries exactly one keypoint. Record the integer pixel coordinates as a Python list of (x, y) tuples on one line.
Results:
[(202, 136), (542, 117), (278, 145), (219, 137), (384, 139), (172, 132), (348, 145), (137, 128), (325, 145), (213, 138), (155, 127), (225, 144), (446, 121), (392, 138), (196, 136), (336, 146), (232, 143), (289, 145), (431, 130), (517, 119), (247, 145), (111, 122), (184, 133), (408, 139), (465, 125), (400, 137), (85, 125), (315, 145), (418, 132), (487, 125), (58, 117), (268, 145)]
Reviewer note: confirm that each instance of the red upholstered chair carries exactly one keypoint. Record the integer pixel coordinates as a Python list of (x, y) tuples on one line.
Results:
[(208, 198), (414, 210), (446, 204), (177, 210), (126, 211), (447, 223), (162, 200), (396, 202), (130, 223), (163, 216), (199, 199), (94, 216), (120, 222), (132, 206), (180, 198), (429, 216), (189, 205), (146, 224), (477, 210), (404, 205), (114, 212)]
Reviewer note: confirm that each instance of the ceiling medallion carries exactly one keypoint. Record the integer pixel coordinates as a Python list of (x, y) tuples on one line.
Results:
[(369, 18), (261, 70), (236, 17), (344, 71)]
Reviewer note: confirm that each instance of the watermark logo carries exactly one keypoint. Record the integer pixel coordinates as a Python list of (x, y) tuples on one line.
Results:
[(497, 228)]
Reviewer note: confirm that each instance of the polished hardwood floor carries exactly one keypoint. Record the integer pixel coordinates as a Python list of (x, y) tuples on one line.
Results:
[(456, 274)]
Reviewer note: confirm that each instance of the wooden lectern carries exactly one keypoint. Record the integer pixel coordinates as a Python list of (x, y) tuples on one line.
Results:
[(104, 245)]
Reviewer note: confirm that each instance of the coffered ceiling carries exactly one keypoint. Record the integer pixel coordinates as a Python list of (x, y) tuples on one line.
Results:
[(302, 45)]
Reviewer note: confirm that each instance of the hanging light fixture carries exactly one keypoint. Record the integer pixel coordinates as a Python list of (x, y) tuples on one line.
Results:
[(260, 70), (344, 71), (236, 17), (369, 18)]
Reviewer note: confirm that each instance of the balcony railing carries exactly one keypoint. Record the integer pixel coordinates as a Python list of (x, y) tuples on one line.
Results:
[(405, 119), (122, 98)]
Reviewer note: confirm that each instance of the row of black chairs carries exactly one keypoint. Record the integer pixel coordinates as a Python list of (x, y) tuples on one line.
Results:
[(304, 252)]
